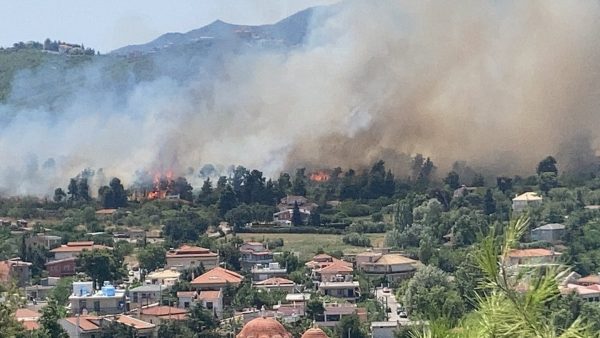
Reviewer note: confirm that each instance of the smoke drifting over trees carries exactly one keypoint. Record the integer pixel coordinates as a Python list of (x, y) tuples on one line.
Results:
[(499, 85)]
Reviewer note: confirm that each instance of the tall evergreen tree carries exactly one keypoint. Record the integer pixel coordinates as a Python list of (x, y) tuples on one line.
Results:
[(296, 215)]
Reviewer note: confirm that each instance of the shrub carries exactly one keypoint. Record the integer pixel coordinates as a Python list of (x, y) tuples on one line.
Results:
[(356, 239)]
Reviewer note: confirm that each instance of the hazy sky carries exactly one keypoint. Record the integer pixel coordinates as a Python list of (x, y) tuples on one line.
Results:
[(109, 24)]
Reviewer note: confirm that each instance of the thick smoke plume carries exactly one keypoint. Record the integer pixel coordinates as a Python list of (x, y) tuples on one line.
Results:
[(498, 84)]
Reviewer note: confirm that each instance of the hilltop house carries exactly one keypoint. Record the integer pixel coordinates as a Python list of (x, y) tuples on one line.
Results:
[(216, 279), (549, 233), (166, 277), (108, 300), (188, 256), (532, 257), (61, 267), (15, 270), (393, 266), (253, 253), (263, 272), (521, 202), (276, 283), (73, 249)]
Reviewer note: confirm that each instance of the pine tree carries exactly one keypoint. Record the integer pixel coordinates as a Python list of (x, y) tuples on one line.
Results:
[(296, 216)]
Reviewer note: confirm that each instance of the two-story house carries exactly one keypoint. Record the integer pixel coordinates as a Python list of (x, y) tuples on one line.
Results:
[(393, 266), (253, 253), (73, 249), (108, 300), (263, 272), (15, 270), (188, 256), (525, 200), (216, 279), (552, 233)]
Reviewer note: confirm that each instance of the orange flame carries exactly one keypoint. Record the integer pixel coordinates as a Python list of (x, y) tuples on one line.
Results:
[(320, 176)]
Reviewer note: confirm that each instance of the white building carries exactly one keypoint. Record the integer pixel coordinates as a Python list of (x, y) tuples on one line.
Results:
[(521, 202)]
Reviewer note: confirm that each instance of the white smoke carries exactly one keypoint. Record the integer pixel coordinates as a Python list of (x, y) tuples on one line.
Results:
[(500, 84)]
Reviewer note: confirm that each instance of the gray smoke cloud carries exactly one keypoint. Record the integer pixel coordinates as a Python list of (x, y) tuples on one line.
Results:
[(498, 84)]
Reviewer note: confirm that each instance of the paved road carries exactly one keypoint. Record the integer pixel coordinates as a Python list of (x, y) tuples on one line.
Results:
[(392, 303)]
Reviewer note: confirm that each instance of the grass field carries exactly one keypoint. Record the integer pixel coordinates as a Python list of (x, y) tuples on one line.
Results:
[(308, 244)]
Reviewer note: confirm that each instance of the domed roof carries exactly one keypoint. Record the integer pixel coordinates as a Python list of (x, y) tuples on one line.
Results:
[(314, 332), (263, 327)]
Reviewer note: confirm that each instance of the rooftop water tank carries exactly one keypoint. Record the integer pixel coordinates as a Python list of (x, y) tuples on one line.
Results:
[(81, 289), (108, 290)]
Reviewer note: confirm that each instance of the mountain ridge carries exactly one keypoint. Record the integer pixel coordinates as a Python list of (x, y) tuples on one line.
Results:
[(289, 31)]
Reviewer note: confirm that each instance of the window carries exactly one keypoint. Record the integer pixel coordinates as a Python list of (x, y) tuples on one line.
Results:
[(209, 305), (96, 306), (186, 304)]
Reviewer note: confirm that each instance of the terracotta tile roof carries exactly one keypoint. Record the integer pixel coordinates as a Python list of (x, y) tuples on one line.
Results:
[(79, 246), (206, 295), (162, 310), (85, 322), (528, 196), (31, 325), (389, 259), (336, 267), (4, 271), (518, 253), (263, 327), (591, 279), (190, 251), (135, 323), (23, 314), (320, 257), (275, 281), (218, 275), (163, 274)]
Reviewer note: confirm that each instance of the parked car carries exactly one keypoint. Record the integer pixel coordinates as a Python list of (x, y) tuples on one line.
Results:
[(386, 290), (403, 314)]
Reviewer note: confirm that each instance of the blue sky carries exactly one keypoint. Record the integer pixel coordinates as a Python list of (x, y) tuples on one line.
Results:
[(109, 24)]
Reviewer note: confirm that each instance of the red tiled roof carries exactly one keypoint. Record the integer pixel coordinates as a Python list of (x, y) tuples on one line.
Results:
[(591, 279), (209, 295), (532, 253), (21, 314), (337, 266), (162, 310), (85, 322), (78, 247), (190, 251), (218, 275), (135, 323), (31, 325)]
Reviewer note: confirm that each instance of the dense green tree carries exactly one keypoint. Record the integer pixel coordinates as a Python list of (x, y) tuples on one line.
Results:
[(547, 165), (349, 326), (299, 183), (296, 215), (174, 329), (59, 195), (504, 184), (547, 181), (430, 294), (101, 265), (489, 204), (51, 313), (182, 188), (201, 320), (452, 180), (152, 257), (206, 197), (227, 201)]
